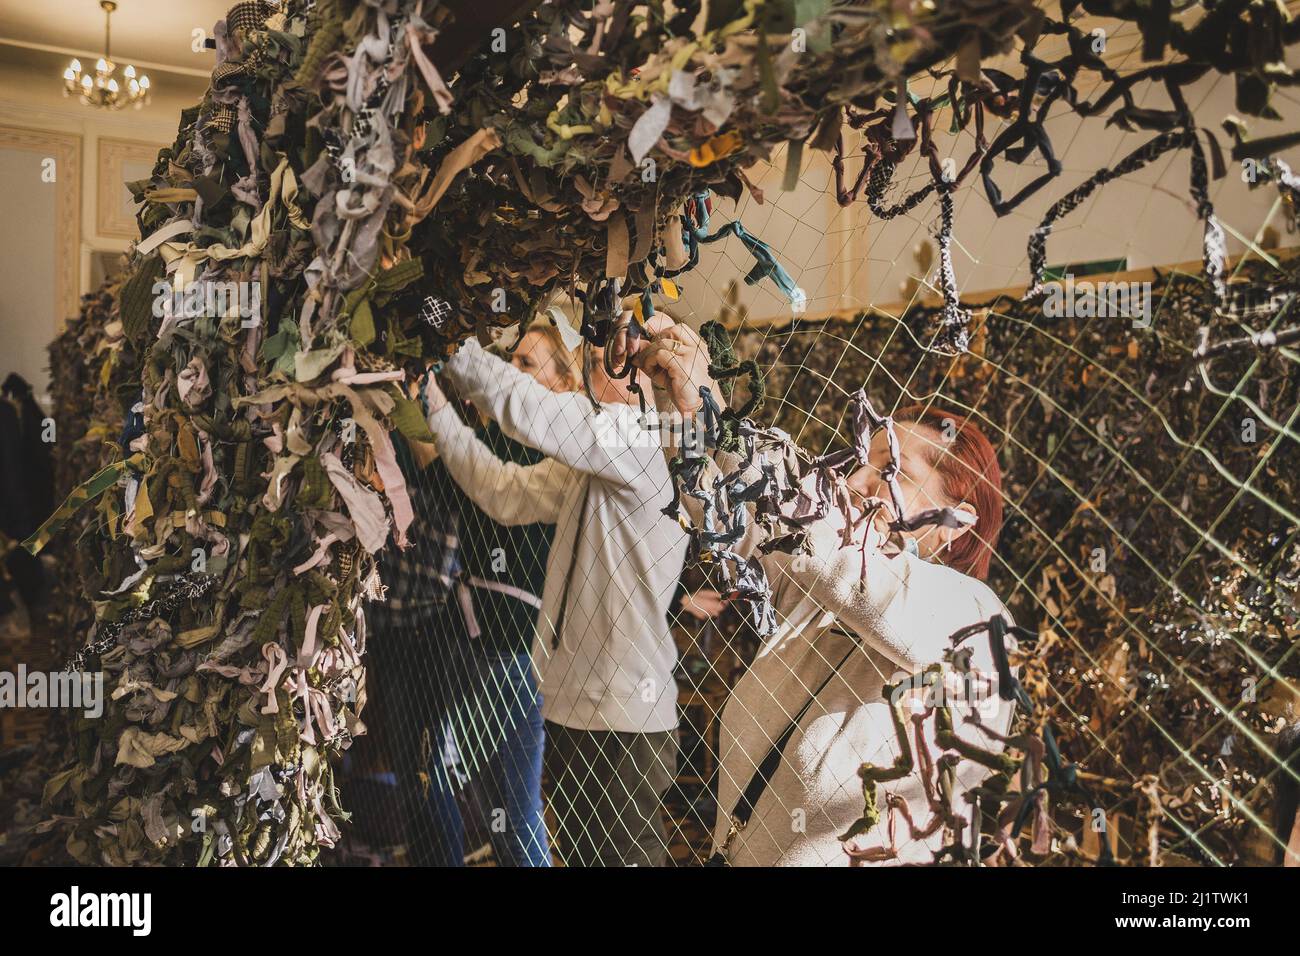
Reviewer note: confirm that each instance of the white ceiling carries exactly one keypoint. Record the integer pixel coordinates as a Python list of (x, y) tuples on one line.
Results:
[(154, 34)]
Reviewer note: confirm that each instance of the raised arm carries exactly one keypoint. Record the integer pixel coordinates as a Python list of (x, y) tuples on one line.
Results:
[(507, 492), (561, 425), (904, 607), (677, 362)]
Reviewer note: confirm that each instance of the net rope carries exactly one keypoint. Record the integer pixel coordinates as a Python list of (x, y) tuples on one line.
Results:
[(484, 705)]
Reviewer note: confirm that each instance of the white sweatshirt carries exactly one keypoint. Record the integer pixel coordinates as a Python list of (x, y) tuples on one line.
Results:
[(602, 485), (900, 622)]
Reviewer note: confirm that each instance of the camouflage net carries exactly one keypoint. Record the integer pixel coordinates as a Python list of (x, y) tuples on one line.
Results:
[(236, 524)]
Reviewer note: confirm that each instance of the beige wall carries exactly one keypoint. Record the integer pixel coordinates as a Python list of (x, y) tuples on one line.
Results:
[(846, 258), (34, 297), (27, 264)]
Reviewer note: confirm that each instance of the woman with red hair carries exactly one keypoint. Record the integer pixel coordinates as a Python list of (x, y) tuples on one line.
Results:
[(853, 618)]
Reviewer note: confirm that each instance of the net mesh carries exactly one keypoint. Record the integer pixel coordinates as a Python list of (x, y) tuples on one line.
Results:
[(558, 676), (1149, 542)]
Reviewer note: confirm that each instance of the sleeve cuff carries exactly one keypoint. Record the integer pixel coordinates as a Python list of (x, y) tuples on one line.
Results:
[(445, 423), (461, 362)]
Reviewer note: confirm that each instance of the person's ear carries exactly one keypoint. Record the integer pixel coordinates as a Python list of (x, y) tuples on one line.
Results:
[(952, 534)]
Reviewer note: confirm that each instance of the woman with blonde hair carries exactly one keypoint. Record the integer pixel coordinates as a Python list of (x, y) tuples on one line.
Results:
[(603, 648), (548, 352)]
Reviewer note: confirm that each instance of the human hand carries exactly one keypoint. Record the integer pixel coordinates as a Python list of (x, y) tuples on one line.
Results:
[(677, 360), (704, 605), (622, 346)]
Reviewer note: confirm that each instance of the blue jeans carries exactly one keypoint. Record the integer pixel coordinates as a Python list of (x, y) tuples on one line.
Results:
[(461, 711)]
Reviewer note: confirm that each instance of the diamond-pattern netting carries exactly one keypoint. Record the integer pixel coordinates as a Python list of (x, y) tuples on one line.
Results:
[(1149, 541)]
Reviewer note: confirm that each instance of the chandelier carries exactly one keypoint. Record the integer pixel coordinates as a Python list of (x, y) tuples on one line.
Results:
[(103, 89)]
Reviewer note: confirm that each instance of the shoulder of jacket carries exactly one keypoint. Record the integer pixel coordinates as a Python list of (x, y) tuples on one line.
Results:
[(987, 603), (955, 586)]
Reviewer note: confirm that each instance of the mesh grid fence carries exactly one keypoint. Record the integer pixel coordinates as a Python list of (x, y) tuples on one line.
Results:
[(1149, 541)]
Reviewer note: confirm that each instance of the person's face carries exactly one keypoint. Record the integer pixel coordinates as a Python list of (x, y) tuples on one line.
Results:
[(536, 355), (920, 482)]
